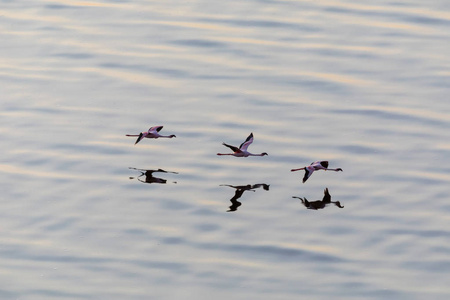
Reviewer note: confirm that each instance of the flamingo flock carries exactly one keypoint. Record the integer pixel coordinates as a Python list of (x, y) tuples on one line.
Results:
[(242, 151)]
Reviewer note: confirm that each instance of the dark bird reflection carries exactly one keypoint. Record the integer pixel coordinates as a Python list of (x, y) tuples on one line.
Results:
[(240, 189), (319, 204), (149, 178)]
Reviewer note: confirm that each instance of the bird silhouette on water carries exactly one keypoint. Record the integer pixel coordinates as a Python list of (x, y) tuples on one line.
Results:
[(320, 204), (149, 178), (240, 189)]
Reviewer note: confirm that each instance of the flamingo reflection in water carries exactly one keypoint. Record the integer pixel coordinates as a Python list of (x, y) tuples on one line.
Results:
[(149, 178), (240, 189), (319, 204)]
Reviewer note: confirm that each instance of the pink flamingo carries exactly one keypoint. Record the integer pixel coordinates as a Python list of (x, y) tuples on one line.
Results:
[(242, 150), (152, 133), (315, 166)]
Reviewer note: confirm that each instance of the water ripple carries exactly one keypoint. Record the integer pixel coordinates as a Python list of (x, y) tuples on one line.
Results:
[(405, 114)]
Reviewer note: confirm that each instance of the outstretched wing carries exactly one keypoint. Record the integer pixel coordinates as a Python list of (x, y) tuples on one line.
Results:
[(155, 128), (247, 142), (308, 172), (235, 149), (321, 164), (326, 196), (324, 164), (304, 200), (141, 136)]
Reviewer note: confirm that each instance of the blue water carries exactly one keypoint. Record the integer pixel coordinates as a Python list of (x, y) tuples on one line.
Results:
[(364, 86)]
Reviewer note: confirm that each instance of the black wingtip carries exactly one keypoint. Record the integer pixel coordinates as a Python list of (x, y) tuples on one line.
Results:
[(139, 138), (306, 175)]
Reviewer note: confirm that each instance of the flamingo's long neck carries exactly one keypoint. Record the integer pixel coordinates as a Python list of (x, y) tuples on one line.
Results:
[(338, 204), (251, 154)]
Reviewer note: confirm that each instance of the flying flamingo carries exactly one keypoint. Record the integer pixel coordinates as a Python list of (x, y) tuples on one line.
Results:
[(319, 204), (315, 166), (152, 133), (242, 150)]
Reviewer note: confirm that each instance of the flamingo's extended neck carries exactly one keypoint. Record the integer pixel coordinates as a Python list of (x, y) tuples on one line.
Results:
[(262, 154), (338, 204)]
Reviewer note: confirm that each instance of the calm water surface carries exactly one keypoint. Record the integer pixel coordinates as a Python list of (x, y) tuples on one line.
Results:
[(364, 86)]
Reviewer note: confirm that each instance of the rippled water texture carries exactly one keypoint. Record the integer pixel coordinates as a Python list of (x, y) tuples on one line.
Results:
[(362, 85)]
